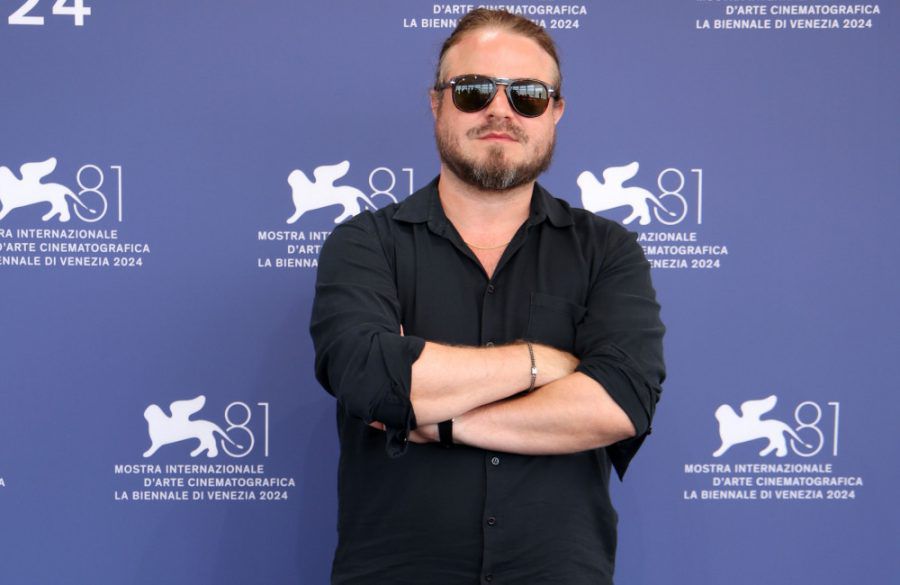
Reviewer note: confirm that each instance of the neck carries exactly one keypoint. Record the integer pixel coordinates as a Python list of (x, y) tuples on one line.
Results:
[(475, 211)]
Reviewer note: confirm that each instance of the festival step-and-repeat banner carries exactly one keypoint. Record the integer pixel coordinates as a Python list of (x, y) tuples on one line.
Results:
[(170, 170)]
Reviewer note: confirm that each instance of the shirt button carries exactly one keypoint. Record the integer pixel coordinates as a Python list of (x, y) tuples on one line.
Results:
[(495, 461), (489, 344), (490, 289), (491, 521)]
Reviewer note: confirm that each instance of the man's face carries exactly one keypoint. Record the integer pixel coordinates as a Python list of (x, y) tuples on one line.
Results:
[(496, 148)]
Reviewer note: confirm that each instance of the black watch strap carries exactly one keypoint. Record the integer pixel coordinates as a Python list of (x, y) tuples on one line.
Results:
[(445, 433)]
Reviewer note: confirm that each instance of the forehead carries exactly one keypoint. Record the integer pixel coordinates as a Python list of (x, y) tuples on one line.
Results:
[(499, 53)]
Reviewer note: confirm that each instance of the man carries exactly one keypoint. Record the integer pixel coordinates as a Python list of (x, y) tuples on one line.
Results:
[(493, 351)]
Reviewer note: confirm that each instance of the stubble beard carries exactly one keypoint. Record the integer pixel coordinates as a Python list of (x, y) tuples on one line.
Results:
[(494, 172)]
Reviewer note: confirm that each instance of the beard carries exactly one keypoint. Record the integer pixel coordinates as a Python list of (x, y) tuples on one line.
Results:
[(495, 172)]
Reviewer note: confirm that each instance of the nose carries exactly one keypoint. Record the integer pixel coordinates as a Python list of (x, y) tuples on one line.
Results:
[(500, 106)]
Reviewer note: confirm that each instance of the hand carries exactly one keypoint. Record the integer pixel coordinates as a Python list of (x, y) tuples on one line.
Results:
[(422, 434)]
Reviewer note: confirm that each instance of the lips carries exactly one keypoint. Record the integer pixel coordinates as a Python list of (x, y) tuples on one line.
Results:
[(498, 131), (497, 136)]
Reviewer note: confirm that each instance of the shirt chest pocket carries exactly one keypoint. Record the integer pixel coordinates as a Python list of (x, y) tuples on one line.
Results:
[(552, 321)]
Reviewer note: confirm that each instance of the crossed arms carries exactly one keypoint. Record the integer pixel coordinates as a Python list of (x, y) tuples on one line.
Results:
[(569, 412), (405, 384)]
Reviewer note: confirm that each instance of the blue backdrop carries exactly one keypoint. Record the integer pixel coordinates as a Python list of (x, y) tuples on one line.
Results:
[(766, 136)]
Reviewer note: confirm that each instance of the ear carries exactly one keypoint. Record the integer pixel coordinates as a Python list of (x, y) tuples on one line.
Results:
[(435, 98), (559, 106)]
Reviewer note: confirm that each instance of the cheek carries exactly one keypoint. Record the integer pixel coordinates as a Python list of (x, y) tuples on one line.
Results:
[(445, 136), (539, 136), (445, 124), (440, 126)]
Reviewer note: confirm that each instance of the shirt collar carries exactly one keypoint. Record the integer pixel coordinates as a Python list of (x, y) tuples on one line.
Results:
[(425, 206)]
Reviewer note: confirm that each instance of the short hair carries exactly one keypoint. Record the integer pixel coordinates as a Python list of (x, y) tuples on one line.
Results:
[(500, 19)]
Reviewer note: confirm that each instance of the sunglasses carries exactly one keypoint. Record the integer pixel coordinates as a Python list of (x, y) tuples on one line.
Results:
[(471, 93)]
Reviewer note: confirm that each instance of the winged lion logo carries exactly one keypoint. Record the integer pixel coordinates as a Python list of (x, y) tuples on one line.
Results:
[(749, 426), (308, 195), (29, 190), (165, 430), (610, 193)]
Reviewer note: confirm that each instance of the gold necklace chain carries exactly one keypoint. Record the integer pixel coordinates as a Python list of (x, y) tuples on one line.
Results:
[(487, 247)]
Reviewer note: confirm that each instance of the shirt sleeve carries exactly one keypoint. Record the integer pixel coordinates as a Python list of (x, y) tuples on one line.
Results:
[(361, 357), (619, 342)]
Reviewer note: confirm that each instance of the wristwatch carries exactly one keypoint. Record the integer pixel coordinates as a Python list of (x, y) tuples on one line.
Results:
[(445, 433)]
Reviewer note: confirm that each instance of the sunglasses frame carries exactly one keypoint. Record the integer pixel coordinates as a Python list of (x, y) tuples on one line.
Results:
[(497, 81)]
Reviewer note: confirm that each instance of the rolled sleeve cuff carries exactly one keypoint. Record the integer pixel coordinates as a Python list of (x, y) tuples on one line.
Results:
[(620, 377), (395, 409)]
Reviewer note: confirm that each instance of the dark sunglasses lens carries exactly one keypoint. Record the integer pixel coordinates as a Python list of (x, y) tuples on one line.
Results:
[(471, 94), (529, 98)]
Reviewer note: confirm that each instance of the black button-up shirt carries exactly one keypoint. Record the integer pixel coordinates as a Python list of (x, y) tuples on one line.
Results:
[(424, 514)]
